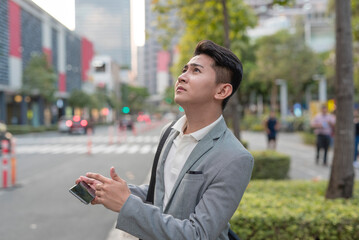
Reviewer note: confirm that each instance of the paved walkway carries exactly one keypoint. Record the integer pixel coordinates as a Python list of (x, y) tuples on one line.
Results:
[(302, 162), (302, 156)]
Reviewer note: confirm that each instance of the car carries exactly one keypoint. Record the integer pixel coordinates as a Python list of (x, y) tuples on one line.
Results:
[(4, 135), (64, 124), (78, 125), (126, 123)]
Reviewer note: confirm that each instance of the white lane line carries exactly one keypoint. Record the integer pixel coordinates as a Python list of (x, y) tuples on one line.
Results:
[(145, 149)]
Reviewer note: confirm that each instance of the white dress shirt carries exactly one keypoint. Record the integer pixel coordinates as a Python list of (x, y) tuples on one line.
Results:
[(180, 150)]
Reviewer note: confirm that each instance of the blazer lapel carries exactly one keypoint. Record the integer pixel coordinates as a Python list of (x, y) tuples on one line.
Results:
[(160, 185), (204, 145)]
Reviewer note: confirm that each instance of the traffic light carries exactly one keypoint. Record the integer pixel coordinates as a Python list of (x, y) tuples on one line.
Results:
[(126, 110)]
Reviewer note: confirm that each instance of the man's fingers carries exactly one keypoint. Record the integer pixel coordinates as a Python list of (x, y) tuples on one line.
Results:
[(97, 177), (114, 175)]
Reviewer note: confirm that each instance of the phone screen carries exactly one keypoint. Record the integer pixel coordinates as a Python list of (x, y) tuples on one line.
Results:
[(83, 192)]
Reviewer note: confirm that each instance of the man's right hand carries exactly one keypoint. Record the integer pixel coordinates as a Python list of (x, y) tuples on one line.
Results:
[(91, 182)]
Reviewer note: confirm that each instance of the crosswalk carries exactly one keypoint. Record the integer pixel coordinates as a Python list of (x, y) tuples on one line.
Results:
[(84, 144)]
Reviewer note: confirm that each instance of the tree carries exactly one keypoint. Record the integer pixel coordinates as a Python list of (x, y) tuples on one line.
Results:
[(341, 181), (224, 22), (135, 97), (39, 78), (79, 99), (284, 56)]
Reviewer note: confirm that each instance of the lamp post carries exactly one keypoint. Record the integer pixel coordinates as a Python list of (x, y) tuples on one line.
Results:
[(322, 87), (283, 98)]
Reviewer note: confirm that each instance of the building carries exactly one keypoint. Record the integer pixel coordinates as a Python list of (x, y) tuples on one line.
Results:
[(25, 31), (154, 70), (107, 24), (318, 23)]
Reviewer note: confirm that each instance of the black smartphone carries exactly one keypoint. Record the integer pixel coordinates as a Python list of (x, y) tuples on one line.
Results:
[(83, 192)]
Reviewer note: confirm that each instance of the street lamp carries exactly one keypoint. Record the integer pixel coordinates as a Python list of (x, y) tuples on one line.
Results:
[(283, 97), (322, 87)]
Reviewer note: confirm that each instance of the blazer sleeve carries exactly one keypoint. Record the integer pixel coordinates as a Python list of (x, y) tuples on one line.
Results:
[(139, 191), (211, 214)]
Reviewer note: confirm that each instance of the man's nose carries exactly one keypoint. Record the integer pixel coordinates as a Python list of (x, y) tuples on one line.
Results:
[(182, 78)]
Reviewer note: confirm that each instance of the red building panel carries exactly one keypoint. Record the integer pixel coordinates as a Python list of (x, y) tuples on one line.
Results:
[(15, 29), (163, 59), (48, 54), (87, 53), (62, 82)]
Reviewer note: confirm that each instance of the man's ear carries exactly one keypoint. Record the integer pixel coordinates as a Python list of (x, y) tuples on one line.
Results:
[(223, 91)]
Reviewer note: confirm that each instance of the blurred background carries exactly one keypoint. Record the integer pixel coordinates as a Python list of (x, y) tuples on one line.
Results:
[(88, 84)]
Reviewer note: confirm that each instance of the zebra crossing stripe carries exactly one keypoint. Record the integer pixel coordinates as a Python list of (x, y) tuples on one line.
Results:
[(81, 149), (145, 149)]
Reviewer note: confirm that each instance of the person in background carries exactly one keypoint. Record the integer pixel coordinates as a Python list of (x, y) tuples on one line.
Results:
[(356, 140), (271, 126), (323, 124)]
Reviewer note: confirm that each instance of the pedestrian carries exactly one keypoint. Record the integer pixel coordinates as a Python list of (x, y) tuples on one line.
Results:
[(323, 124), (271, 126), (356, 141), (203, 169)]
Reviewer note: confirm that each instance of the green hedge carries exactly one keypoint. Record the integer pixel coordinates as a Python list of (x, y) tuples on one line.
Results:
[(308, 138), (22, 129), (295, 210), (270, 164)]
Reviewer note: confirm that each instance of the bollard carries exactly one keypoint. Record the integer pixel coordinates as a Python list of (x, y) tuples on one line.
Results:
[(89, 141), (5, 152), (13, 163), (110, 134), (134, 132)]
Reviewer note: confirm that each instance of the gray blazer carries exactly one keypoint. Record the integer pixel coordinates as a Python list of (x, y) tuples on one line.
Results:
[(204, 197)]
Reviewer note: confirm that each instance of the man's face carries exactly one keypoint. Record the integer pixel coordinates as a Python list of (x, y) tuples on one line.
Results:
[(197, 83)]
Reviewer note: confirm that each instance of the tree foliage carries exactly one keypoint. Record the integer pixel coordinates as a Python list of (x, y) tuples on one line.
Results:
[(204, 20), (39, 78), (80, 99), (284, 56), (134, 97)]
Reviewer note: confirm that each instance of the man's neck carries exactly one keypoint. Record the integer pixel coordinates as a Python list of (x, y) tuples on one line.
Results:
[(197, 120)]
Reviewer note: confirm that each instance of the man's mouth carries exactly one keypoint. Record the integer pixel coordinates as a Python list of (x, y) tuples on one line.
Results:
[(179, 88)]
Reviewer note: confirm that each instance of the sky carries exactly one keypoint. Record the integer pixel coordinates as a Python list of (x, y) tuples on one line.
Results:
[(64, 11)]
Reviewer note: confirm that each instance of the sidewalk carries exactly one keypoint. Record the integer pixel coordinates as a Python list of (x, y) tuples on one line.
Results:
[(302, 162), (302, 156)]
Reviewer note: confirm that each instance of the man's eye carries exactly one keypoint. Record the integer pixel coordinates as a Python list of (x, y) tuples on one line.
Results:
[(196, 70), (184, 70)]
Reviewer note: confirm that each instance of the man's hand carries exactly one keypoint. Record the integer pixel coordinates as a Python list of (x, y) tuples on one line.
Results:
[(112, 193)]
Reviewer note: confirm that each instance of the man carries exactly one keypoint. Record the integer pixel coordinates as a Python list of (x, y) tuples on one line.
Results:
[(323, 124), (203, 169), (271, 126)]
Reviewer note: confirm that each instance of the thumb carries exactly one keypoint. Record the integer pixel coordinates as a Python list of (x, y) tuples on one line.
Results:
[(114, 175)]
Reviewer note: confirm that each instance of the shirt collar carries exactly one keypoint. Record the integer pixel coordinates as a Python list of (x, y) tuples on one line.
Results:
[(199, 134)]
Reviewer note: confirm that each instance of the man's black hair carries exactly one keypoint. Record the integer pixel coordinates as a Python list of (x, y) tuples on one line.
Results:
[(227, 66)]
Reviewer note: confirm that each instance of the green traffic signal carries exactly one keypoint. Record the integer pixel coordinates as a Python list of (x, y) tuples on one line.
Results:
[(125, 110)]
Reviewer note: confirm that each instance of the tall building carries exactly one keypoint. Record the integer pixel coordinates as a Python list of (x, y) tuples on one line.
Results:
[(156, 61), (27, 31), (107, 24)]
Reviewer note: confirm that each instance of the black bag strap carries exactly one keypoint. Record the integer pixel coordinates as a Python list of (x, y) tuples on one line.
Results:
[(151, 188)]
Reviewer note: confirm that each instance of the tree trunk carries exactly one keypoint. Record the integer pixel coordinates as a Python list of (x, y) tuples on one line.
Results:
[(273, 97), (341, 181), (234, 99)]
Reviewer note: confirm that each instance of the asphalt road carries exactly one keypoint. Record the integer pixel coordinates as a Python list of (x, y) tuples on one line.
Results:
[(40, 206)]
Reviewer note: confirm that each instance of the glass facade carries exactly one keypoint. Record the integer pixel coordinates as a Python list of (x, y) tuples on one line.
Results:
[(107, 24), (4, 43)]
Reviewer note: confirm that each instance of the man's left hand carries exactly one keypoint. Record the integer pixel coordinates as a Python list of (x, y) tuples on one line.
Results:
[(110, 192)]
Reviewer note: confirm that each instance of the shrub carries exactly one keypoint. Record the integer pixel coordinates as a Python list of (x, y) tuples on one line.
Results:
[(295, 210), (270, 164), (22, 129), (308, 138)]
